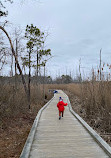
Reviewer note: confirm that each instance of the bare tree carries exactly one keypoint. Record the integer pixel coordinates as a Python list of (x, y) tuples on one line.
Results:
[(19, 48), (18, 66)]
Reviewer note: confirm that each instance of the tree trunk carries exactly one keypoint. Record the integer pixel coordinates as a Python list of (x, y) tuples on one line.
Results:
[(37, 66), (16, 60), (44, 84), (11, 72), (16, 65), (29, 78)]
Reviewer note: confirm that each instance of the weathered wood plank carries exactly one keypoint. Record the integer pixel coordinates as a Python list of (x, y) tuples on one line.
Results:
[(65, 138)]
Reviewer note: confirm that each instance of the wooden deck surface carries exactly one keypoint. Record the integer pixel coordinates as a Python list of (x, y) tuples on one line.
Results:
[(65, 138)]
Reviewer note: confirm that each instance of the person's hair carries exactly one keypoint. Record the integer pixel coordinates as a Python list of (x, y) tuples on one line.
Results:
[(60, 99)]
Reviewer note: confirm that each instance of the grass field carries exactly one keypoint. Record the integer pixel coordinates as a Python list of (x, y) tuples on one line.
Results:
[(16, 119), (91, 100)]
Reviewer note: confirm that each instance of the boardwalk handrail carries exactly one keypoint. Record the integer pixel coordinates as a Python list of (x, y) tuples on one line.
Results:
[(26, 150), (97, 138)]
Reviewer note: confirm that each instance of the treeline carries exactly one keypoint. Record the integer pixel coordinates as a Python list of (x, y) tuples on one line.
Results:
[(64, 79)]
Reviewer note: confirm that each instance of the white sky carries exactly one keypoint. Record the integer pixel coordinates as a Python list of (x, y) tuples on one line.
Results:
[(77, 28)]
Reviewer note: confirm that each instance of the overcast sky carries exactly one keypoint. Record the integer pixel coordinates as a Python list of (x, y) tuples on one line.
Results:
[(77, 29)]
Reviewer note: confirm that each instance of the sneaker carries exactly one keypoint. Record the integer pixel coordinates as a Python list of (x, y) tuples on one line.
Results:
[(59, 117)]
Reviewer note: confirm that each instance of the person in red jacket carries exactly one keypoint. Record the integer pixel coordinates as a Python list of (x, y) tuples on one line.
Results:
[(61, 108)]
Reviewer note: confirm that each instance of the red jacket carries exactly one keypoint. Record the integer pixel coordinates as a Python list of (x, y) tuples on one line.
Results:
[(61, 105)]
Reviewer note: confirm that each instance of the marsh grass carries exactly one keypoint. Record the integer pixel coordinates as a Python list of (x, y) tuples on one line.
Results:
[(94, 96), (95, 100), (13, 102)]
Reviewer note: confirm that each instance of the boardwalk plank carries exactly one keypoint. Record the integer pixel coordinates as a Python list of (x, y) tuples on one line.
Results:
[(65, 138)]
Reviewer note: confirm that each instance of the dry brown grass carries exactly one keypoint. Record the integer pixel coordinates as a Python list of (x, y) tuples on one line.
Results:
[(73, 88), (96, 97), (94, 105), (92, 101), (14, 102), (15, 117)]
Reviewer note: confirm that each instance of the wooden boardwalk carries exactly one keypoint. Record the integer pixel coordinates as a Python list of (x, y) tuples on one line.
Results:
[(65, 138)]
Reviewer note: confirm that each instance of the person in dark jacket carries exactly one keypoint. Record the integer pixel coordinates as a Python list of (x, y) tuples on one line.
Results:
[(61, 108)]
